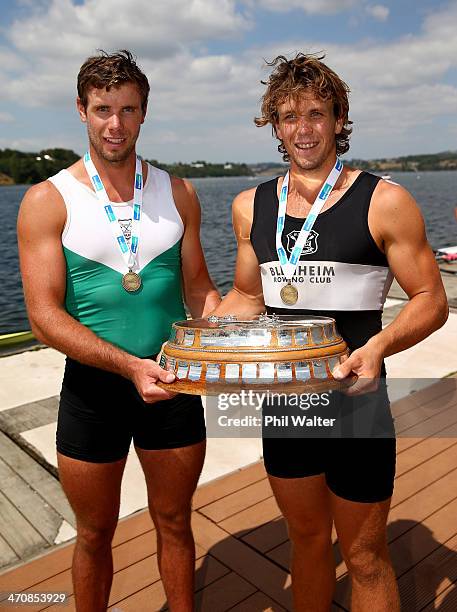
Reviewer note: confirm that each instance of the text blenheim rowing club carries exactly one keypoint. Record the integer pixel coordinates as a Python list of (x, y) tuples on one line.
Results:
[(314, 273)]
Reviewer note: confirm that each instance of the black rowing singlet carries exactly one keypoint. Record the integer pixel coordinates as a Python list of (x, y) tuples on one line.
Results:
[(341, 273)]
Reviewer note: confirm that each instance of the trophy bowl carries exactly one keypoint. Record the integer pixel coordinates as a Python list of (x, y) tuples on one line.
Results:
[(280, 354)]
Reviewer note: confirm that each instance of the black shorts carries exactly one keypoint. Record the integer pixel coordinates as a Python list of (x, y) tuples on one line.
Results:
[(357, 455), (359, 469), (101, 412)]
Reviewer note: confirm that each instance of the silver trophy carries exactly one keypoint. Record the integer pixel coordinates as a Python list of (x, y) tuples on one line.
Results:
[(286, 354)]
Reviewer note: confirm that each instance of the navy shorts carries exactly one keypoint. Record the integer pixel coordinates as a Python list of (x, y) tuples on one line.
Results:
[(101, 412)]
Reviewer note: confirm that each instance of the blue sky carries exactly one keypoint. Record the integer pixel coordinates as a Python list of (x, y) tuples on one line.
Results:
[(204, 60)]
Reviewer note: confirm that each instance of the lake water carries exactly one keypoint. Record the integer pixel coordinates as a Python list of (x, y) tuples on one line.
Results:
[(435, 192)]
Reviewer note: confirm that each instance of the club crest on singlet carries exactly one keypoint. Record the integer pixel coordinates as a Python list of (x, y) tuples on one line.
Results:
[(126, 227), (310, 244)]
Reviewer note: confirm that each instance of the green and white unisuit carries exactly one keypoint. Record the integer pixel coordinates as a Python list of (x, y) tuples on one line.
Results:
[(137, 322)]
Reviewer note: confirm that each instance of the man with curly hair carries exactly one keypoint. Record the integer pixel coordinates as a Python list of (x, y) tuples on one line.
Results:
[(326, 240)]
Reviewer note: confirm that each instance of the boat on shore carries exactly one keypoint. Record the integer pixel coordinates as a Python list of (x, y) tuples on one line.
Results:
[(17, 342), (11, 340)]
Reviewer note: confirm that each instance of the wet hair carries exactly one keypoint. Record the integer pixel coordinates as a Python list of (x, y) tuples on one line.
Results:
[(290, 78), (111, 70)]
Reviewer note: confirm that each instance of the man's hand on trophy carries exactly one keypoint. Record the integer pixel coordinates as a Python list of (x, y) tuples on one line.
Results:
[(364, 367), (145, 376)]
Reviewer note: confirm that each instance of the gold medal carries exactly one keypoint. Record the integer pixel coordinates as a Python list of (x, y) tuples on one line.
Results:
[(131, 281), (289, 294)]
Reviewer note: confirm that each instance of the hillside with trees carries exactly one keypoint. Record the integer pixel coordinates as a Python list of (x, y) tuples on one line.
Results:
[(203, 169), (28, 168), (446, 160), (17, 167)]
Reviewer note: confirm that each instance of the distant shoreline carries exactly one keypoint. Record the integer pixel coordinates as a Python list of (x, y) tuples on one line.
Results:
[(19, 168), (273, 172)]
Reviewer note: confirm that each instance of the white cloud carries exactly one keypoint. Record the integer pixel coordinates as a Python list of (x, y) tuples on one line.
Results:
[(312, 7), (202, 104), (164, 35), (378, 11), (397, 88), (10, 61), (27, 144), (6, 117), (158, 29)]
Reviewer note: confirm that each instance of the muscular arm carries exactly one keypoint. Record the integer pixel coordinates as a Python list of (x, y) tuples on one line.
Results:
[(40, 223), (200, 294), (398, 228), (246, 297), (413, 264)]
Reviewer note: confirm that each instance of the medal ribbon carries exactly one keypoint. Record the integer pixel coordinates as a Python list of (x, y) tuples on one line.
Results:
[(290, 265), (129, 254)]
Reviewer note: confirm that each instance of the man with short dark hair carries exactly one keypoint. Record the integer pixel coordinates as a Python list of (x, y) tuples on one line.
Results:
[(325, 240), (108, 249)]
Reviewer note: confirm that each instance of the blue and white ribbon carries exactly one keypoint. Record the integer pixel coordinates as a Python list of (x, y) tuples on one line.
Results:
[(289, 265), (129, 254)]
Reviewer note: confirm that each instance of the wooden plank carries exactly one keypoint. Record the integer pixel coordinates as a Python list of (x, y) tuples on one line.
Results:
[(272, 540), (28, 416), (243, 560), (433, 426), (30, 504), (151, 598), (37, 607), (420, 508), (42, 567), (59, 583), (51, 403), (404, 443), (247, 520), (223, 594), (445, 602), (138, 575), (56, 562), (267, 536), (20, 535), (132, 526), (281, 554), (70, 606), (424, 582), (134, 578), (126, 581), (424, 475), (258, 602), (134, 550), (37, 477), (431, 394), (418, 540), (7, 554), (51, 563), (208, 570), (423, 412), (238, 501), (421, 452), (219, 488), (425, 502), (128, 577)]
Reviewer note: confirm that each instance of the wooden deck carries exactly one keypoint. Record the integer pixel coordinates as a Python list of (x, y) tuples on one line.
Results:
[(242, 545)]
